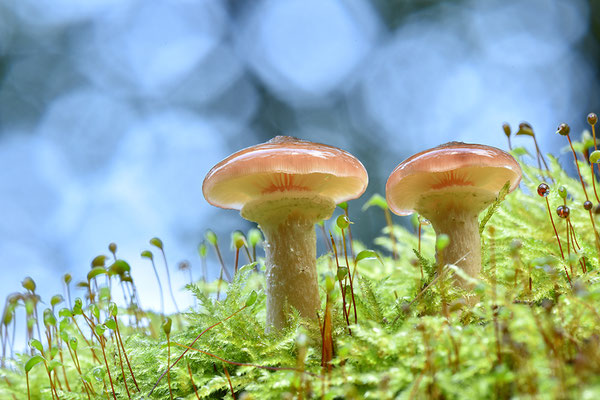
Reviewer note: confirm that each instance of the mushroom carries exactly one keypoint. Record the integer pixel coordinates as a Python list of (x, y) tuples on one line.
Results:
[(450, 185), (286, 185)]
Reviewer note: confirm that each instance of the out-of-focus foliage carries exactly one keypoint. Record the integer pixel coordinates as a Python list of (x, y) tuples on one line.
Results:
[(112, 111)]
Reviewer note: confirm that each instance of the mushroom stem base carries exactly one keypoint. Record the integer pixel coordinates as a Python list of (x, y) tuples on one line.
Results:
[(464, 249)]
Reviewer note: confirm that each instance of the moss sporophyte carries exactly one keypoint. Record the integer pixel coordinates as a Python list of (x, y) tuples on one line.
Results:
[(474, 303)]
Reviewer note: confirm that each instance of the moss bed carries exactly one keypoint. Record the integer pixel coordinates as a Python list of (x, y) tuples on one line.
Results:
[(530, 328)]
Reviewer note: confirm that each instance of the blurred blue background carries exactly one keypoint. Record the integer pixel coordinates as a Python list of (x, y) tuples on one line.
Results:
[(113, 111)]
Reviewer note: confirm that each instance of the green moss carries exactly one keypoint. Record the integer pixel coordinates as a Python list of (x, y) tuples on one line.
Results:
[(514, 343)]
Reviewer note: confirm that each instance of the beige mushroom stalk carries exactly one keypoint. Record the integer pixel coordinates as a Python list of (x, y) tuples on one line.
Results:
[(287, 185), (450, 185)]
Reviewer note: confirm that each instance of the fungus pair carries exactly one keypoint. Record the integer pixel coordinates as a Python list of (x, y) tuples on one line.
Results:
[(287, 185)]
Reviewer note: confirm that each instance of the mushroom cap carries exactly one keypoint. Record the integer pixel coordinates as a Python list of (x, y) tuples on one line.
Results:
[(472, 170), (284, 164)]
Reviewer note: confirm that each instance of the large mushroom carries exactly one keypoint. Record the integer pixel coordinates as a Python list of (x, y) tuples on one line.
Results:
[(450, 185), (287, 185)]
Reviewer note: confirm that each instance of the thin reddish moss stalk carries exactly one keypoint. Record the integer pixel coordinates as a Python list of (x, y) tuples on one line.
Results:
[(194, 341), (221, 262), (390, 224), (120, 341), (577, 165), (540, 155), (558, 239), (229, 380), (592, 164), (92, 325), (337, 262), (349, 231), (237, 259), (491, 230), (75, 359), (576, 243), (122, 369), (555, 231), (192, 380), (52, 387), (169, 279), (327, 337), (28, 391), (594, 182), (568, 238), (168, 365), (586, 195), (350, 277)]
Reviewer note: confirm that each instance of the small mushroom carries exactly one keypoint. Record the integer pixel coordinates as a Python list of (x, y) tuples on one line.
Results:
[(450, 185), (287, 185)]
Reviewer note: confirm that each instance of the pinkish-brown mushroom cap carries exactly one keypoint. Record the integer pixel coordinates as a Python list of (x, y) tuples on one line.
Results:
[(284, 164), (448, 167)]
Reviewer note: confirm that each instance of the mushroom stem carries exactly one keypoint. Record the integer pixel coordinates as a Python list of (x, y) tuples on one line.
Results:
[(290, 250), (464, 249), (290, 243)]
